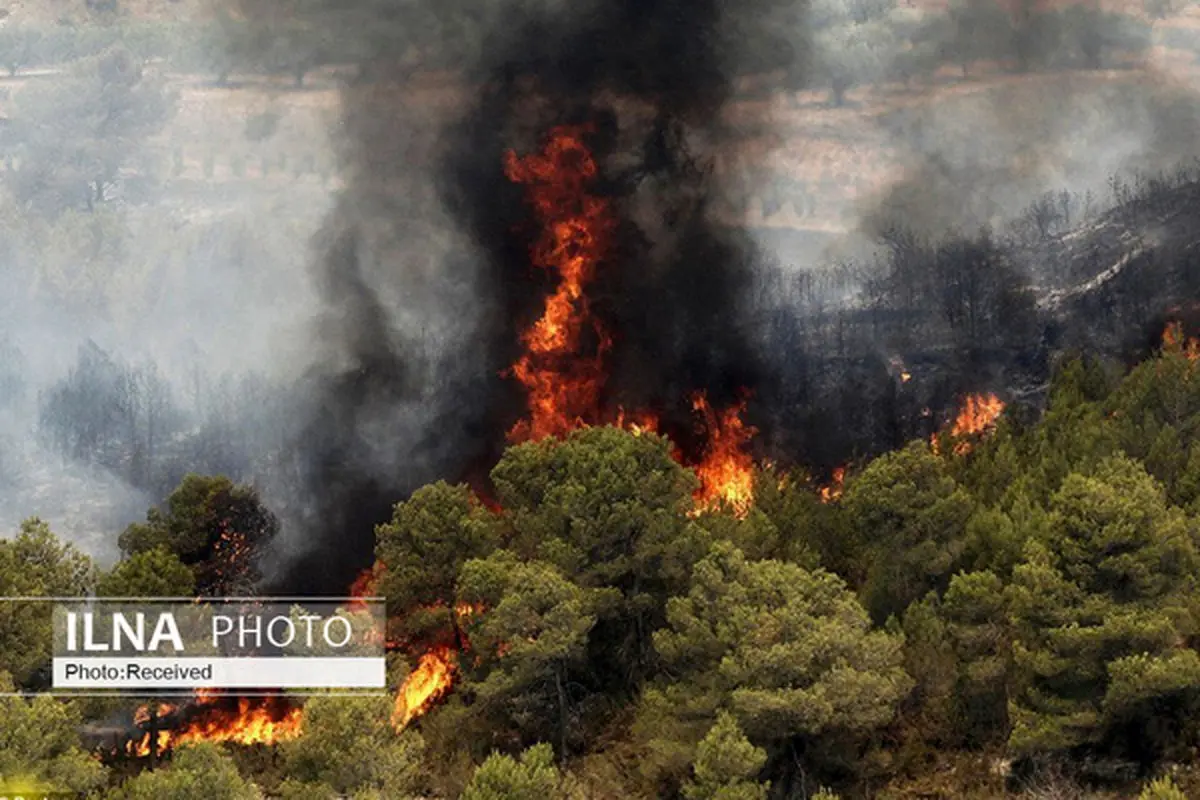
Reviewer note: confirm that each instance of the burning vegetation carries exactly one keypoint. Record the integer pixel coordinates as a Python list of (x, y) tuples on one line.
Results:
[(563, 369), (365, 585), (562, 375), (726, 471), (833, 490), (977, 416), (621, 601), (436, 669), (429, 682), (979, 413), (1174, 340), (215, 717)]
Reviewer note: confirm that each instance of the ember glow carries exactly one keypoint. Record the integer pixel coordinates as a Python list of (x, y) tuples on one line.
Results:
[(231, 559), (214, 717), (726, 472), (563, 383), (834, 490), (432, 679)]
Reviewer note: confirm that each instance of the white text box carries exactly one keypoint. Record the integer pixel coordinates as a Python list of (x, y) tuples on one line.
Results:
[(220, 673)]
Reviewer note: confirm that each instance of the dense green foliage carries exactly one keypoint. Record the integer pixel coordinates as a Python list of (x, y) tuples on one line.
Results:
[(39, 745), (1030, 594), (150, 573), (35, 564), (197, 772), (348, 746), (531, 775), (726, 764)]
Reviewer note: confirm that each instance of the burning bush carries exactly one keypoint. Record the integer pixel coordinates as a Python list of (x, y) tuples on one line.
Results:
[(216, 717), (214, 526)]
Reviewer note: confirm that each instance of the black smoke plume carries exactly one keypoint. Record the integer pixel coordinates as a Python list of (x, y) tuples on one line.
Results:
[(427, 283), (426, 274)]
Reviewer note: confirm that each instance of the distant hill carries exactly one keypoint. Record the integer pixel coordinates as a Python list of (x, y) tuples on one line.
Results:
[(82, 11), (1112, 280)]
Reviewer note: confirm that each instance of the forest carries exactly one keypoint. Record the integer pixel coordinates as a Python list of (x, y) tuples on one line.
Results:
[(916, 519), (1012, 608)]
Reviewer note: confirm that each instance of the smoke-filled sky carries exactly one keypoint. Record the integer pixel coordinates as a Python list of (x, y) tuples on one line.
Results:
[(379, 306)]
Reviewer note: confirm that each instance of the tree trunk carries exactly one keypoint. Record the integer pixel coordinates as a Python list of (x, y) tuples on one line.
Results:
[(153, 728), (562, 713), (459, 643)]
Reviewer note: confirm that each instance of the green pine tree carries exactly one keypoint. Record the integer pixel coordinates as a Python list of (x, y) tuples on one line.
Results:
[(726, 765)]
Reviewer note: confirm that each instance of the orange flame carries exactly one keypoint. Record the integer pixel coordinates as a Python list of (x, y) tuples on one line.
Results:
[(834, 490), (429, 682), (1174, 340), (564, 383), (466, 610), (435, 673), (977, 416), (252, 724), (142, 715), (264, 720), (563, 386), (638, 423), (365, 585), (726, 472), (141, 747)]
